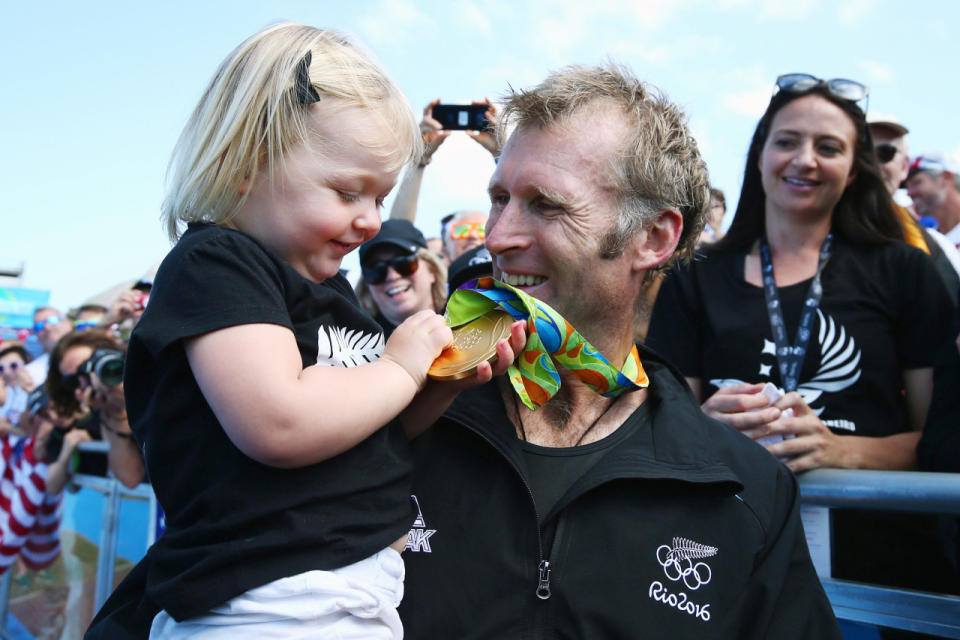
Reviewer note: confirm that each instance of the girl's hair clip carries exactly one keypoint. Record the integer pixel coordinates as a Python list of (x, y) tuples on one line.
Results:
[(306, 92)]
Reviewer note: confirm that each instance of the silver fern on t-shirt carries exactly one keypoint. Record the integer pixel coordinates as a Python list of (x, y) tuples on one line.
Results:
[(342, 347), (839, 367)]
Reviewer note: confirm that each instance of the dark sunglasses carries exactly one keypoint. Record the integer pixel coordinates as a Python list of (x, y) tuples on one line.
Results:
[(13, 366), (70, 382), (39, 326), (405, 265), (838, 87), (885, 152)]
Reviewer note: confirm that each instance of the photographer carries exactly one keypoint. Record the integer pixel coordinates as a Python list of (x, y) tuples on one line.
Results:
[(85, 381), (470, 232)]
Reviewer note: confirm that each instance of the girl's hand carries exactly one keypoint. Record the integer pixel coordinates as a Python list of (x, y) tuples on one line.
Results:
[(417, 342), (743, 407), (432, 401), (813, 445)]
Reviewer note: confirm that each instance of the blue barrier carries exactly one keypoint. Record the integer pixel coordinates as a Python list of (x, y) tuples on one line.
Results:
[(913, 491)]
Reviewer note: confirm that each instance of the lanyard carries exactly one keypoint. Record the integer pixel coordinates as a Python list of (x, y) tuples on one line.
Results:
[(790, 358)]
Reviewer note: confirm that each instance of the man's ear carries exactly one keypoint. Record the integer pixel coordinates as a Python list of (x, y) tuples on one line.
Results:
[(657, 241)]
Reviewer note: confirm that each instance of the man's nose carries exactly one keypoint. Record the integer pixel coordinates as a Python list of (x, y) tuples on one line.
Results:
[(506, 229)]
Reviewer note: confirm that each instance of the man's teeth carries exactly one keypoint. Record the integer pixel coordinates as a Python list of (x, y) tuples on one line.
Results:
[(801, 182), (394, 290), (522, 280)]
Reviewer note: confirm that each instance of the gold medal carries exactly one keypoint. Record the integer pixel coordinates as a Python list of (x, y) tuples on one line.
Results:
[(473, 343)]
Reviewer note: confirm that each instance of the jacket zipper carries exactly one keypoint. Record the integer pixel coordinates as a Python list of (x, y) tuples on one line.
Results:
[(543, 565)]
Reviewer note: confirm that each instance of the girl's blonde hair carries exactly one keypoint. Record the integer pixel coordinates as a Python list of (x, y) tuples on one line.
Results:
[(251, 114)]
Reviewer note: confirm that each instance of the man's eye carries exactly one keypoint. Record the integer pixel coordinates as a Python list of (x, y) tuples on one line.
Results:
[(499, 200)]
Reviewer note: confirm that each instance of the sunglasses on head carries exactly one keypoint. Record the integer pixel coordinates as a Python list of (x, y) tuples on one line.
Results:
[(376, 272), (12, 366), (885, 152), (51, 320), (838, 87), (462, 230)]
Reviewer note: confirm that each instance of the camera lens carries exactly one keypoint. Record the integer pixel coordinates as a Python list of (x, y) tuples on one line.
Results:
[(111, 372), (108, 365)]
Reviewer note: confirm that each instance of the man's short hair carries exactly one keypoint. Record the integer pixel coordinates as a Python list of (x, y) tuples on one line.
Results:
[(660, 165)]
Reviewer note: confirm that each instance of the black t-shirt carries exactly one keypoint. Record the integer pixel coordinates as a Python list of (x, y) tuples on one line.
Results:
[(884, 310), (551, 471), (233, 523)]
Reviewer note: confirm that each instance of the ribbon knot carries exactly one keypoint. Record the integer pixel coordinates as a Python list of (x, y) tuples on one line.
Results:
[(550, 339)]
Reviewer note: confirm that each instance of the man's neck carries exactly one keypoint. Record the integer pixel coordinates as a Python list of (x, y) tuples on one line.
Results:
[(576, 415)]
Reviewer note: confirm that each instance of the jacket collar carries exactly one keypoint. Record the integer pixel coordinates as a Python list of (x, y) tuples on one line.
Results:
[(674, 444)]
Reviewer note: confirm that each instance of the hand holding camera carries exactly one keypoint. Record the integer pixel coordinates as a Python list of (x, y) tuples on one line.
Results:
[(476, 119), (103, 374)]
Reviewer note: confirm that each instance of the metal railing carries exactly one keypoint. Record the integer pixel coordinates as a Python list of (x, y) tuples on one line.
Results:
[(113, 492), (913, 491)]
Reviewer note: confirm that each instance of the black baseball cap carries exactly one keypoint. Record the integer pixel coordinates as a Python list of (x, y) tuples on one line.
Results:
[(471, 264), (399, 233)]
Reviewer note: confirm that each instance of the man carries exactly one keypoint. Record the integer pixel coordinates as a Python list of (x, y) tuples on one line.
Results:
[(462, 231), (632, 516), (468, 230), (889, 140), (935, 191), (49, 325)]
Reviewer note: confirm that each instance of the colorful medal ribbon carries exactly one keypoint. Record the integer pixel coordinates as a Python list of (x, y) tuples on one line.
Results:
[(550, 338)]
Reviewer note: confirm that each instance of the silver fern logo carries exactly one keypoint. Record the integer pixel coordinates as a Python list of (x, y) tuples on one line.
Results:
[(681, 562), (342, 347)]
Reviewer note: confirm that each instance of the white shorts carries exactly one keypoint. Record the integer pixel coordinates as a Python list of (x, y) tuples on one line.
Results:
[(357, 601)]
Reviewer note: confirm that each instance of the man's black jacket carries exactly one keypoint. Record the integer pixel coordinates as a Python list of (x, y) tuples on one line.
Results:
[(687, 529)]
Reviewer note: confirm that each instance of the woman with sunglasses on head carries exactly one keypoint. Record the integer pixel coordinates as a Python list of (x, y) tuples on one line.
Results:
[(813, 292), (399, 275), (85, 381)]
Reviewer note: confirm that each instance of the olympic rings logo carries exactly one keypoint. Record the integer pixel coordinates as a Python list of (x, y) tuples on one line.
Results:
[(678, 566)]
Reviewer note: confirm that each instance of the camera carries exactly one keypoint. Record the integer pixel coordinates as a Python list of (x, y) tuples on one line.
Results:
[(107, 364), (461, 116)]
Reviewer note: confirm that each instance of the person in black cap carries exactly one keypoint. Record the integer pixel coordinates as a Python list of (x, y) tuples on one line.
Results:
[(474, 263), (400, 276)]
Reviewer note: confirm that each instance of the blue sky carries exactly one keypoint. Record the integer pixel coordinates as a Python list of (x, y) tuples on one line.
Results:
[(96, 93)]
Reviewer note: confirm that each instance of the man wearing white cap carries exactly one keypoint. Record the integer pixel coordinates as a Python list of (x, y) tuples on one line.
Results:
[(934, 187)]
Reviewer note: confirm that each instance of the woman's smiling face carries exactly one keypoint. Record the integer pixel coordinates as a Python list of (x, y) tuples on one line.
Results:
[(807, 160)]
